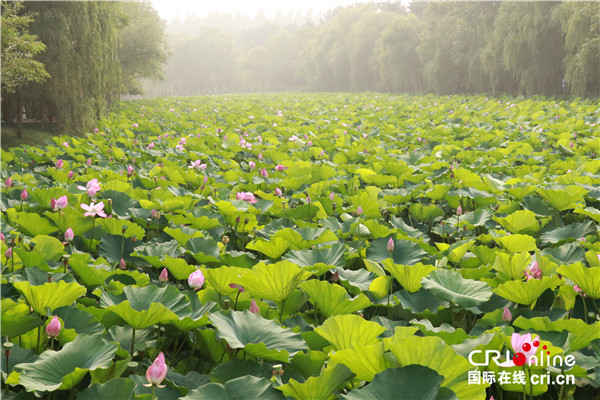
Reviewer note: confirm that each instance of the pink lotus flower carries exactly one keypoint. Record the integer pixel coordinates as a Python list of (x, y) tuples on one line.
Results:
[(1, 236), (264, 173), (8, 182), (390, 245), (91, 187), (88, 162), (8, 253), (254, 307), (280, 168), (151, 145), (260, 156), (278, 192), (122, 264), (134, 125), (179, 148), (94, 209), (24, 195), (331, 196), (359, 210), (196, 279), (53, 204), (59, 163), (69, 235), (62, 202), (70, 175), (182, 141), (322, 153), (246, 196), (252, 164), (66, 144), (154, 214), (164, 275), (524, 348), (236, 286), (309, 143), (506, 315), (129, 171), (53, 328), (459, 210), (335, 277), (293, 138), (96, 130), (156, 372), (534, 271)]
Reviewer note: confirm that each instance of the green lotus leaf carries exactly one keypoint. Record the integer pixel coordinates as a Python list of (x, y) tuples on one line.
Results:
[(376, 229), (115, 389), (244, 387), (318, 387), (121, 202), (568, 253), (65, 368), (434, 353), (332, 299), (572, 231), (96, 275), (238, 368), (405, 252), (121, 227), (332, 256), (420, 301), (561, 200), (511, 267), (476, 218), (409, 276), (517, 243), (526, 292), (16, 318), (304, 238), (343, 331), (50, 295), (361, 278), (538, 206), (80, 321), (178, 267), (44, 196), (424, 213), (450, 334), (273, 248), (584, 334), (305, 212), (363, 360), (522, 221), (410, 382), (50, 247), (590, 212), (510, 386), (154, 253), (456, 251), (588, 279), (452, 287), (142, 307), (273, 281), (203, 250), (30, 224), (309, 363), (197, 317), (243, 328), (220, 278), (182, 234)]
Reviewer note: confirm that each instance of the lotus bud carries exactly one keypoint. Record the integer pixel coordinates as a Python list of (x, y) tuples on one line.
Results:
[(62, 202), (88, 162), (53, 204), (260, 156), (390, 245), (156, 372), (164, 275), (70, 175), (122, 264), (24, 195), (506, 315), (53, 328), (225, 239), (459, 211), (277, 192), (69, 235), (8, 182), (196, 279), (9, 252), (129, 171), (359, 210), (254, 307), (236, 286), (264, 173), (59, 163), (252, 164)]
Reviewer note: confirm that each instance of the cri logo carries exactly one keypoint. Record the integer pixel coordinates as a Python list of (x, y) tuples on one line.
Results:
[(525, 348)]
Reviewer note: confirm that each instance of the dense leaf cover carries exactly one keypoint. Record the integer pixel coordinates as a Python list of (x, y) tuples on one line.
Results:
[(365, 243)]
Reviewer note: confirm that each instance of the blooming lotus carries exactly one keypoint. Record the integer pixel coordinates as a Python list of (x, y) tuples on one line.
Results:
[(179, 148), (252, 164), (59, 163), (53, 328), (524, 347), (534, 271), (156, 372), (280, 168), (91, 187), (197, 164), (246, 196), (196, 279), (134, 125), (94, 209)]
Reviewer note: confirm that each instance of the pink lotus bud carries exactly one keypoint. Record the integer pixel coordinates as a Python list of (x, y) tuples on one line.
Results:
[(506, 315), (24, 195), (251, 164), (53, 204), (62, 202), (459, 210), (236, 286), (390, 245), (9, 252), (331, 196), (308, 200), (254, 307), (66, 144), (359, 210), (309, 143), (70, 175), (164, 275), (59, 163), (8, 182), (1, 236), (277, 192), (96, 130), (156, 372), (151, 145), (280, 168), (129, 171), (122, 264), (260, 156), (535, 270), (264, 173), (69, 235), (196, 279), (154, 214), (335, 277), (88, 162), (205, 179), (53, 328), (134, 125), (322, 153)]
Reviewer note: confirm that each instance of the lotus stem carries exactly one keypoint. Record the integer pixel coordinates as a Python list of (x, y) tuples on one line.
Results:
[(132, 341), (38, 339), (236, 300), (585, 311), (281, 311)]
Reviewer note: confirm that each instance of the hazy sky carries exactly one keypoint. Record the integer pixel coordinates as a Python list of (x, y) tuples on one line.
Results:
[(168, 9)]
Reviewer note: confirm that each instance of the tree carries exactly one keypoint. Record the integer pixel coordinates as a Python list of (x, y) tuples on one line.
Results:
[(143, 49)]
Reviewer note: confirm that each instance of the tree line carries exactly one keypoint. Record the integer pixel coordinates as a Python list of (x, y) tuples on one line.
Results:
[(64, 63), (528, 48)]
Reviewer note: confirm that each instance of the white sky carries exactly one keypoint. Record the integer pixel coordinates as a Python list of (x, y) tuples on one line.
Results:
[(168, 9)]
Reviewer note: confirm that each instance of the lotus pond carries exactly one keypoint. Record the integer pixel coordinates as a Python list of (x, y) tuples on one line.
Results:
[(308, 246)]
